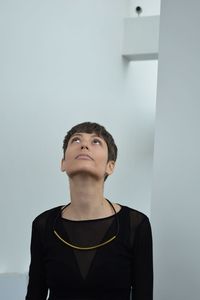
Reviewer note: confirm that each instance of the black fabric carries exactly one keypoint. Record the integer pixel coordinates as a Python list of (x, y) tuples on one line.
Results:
[(106, 273), (86, 234)]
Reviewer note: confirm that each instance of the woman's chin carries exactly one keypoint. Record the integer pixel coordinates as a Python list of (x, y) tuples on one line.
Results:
[(84, 174)]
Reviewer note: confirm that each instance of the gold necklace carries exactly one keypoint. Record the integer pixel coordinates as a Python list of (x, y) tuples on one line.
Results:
[(89, 247)]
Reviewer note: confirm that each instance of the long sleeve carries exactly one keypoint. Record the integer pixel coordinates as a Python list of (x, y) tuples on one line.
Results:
[(142, 281), (37, 289)]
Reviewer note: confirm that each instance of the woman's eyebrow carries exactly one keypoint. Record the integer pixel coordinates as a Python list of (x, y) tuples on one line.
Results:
[(93, 135), (96, 135), (76, 134)]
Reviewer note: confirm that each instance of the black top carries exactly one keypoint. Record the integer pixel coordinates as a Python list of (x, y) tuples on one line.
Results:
[(105, 273)]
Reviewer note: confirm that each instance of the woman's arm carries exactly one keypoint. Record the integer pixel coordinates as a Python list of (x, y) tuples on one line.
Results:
[(142, 281), (37, 289)]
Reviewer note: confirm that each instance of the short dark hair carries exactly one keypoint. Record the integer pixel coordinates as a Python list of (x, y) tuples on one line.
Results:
[(89, 127)]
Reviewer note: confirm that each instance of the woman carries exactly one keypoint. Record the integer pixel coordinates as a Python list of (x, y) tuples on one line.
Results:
[(90, 248)]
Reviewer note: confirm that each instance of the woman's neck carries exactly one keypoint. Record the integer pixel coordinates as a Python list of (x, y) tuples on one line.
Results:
[(87, 200)]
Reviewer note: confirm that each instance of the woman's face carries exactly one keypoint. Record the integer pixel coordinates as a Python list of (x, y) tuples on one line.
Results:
[(87, 153)]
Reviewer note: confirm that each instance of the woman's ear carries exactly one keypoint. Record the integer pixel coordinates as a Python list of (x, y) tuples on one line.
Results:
[(62, 165), (110, 167)]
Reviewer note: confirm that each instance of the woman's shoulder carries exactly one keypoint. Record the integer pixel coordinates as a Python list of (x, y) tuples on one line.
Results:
[(46, 215), (136, 217)]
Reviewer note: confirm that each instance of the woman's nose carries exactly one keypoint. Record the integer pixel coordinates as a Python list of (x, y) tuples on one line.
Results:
[(84, 146)]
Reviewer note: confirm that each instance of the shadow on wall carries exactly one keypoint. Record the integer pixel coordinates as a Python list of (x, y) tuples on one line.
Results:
[(13, 286)]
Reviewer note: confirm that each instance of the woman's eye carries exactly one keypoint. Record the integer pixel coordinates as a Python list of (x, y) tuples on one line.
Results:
[(76, 140), (96, 142)]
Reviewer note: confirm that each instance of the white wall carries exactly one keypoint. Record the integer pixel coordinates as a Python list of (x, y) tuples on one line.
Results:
[(13, 286), (176, 188), (61, 64), (149, 7)]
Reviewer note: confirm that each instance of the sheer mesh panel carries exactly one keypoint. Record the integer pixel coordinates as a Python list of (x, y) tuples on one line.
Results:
[(86, 234), (135, 220)]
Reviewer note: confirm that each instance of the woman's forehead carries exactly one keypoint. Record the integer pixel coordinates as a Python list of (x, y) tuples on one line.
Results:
[(92, 134)]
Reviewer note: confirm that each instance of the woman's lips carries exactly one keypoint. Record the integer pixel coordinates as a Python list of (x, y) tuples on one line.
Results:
[(84, 157)]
